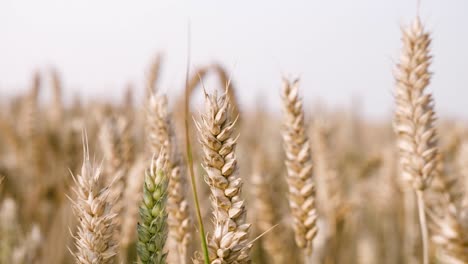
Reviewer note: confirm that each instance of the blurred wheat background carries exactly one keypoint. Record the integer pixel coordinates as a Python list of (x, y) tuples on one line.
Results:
[(299, 132)]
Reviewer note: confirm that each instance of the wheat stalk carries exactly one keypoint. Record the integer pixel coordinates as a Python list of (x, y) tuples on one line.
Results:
[(152, 230), (414, 117), (228, 243), (299, 167), (94, 239)]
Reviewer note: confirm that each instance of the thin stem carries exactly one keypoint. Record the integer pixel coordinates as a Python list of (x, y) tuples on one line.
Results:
[(307, 258), (409, 231), (190, 159), (423, 224), (123, 255), (182, 254)]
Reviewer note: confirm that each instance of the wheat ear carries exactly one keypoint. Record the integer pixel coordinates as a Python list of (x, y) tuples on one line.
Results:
[(448, 231), (162, 136), (153, 75), (127, 143), (329, 192), (462, 167), (9, 229), (152, 229), (132, 196), (94, 240), (29, 111), (299, 167), (115, 168), (56, 107), (28, 250), (229, 243), (201, 73), (445, 215), (266, 214), (414, 117)]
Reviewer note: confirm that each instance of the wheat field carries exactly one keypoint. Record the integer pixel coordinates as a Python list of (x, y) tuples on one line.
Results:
[(162, 180)]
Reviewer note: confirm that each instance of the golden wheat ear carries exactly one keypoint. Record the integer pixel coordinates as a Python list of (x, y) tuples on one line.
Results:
[(229, 242), (152, 76), (94, 240), (299, 167), (56, 108), (446, 223), (112, 136), (266, 215), (414, 118), (9, 229)]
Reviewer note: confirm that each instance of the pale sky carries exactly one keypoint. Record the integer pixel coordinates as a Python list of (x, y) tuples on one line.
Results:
[(341, 49)]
